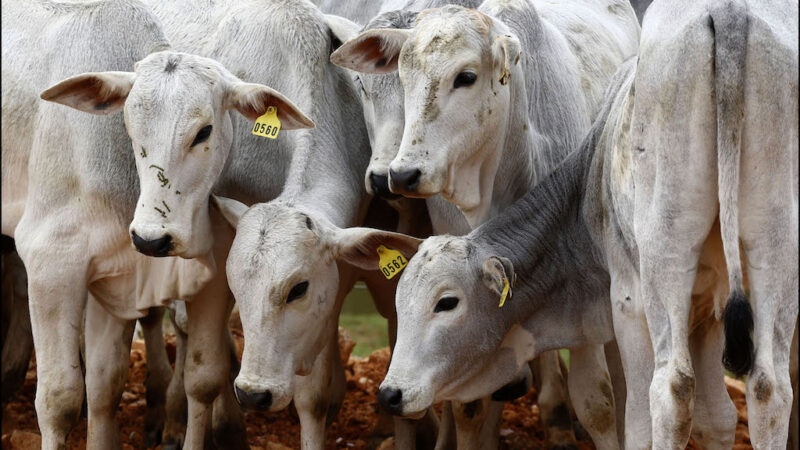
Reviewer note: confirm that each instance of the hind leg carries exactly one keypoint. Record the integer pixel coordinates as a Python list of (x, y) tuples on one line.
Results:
[(714, 424), (772, 275), (159, 374)]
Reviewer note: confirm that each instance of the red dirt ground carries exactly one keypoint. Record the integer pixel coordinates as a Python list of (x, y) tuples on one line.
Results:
[(521, 428)]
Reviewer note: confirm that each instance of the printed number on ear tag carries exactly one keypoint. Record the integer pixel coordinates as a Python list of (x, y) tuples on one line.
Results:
[(391, 262), (505, 293), (268, 125)]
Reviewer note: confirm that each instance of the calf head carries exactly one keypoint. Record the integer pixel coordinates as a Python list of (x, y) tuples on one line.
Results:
[(451, 335), (284, 270), (382, 100), (454, 66), (176, 110)]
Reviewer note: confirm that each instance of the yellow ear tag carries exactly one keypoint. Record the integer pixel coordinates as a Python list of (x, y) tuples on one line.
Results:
[(504, 294), (268, 125), (392, 262)]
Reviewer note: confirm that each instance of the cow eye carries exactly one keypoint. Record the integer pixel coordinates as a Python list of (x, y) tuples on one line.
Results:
[(445, 304), (202, 135), (297, 291), (465, 78)]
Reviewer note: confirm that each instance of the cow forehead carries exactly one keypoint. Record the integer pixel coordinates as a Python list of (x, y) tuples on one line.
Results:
[(440, 256), (440, 39), (167, 82), (269, 235)]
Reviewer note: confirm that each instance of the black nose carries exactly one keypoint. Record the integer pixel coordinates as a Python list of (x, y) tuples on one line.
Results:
[(407, 181), (156, 247), (254, 400), (380, 186), (391, 400)]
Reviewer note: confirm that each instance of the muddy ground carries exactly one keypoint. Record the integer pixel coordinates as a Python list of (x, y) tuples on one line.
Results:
[(521, 428)]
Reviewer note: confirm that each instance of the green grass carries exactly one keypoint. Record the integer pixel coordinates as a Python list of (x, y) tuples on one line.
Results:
[(362, 321)]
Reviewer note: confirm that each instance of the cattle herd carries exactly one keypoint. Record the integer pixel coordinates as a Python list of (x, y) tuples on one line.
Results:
[(507, 177)]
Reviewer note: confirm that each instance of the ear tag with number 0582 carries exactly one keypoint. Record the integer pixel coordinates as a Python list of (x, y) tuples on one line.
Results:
[(392, 262), (504, 294), (268, 125)]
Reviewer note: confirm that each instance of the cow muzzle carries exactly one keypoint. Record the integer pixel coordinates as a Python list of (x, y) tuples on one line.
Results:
[(259, 401), (158, 247)]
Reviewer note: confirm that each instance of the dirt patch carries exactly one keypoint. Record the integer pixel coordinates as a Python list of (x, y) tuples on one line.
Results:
[(521, 427)]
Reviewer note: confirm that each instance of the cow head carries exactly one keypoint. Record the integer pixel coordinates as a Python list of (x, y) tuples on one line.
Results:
[(382, 100), (456, 67), (176, 110), (452, 340), (284, 269)]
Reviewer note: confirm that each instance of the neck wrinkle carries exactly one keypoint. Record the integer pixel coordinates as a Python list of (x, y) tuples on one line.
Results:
[(547, 240)]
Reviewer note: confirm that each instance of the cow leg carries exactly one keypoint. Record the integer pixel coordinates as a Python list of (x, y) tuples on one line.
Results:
[(772, 275), (490, 431), (669, 258), (57, 294), (551, 390), (227, 420), (108, 349), (314, 399), (592, 395), (636, 356), (176, 403), (17, 340), (207, 370), (469, 417), (159, 374), (714, 423)]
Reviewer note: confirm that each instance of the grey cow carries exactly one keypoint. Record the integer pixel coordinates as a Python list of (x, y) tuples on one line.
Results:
[(682, 164)]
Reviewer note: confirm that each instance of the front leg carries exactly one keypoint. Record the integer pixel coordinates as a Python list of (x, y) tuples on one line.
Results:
[(318, 396), (552, 398), (176, 402), (207, 370), (108, 348), (469, 418), (592, 395)]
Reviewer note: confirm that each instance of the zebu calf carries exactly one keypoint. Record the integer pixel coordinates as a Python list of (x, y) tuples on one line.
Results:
[(596, 221), (494, 99)]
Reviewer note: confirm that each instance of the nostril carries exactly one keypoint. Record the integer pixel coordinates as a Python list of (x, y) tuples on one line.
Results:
[(380, 186), (391, 400), (155, 247), (405, 181)]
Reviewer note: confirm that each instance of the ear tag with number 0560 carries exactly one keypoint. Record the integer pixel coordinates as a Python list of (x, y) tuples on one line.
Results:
[(268, 125), (504, 294), (391, 261)]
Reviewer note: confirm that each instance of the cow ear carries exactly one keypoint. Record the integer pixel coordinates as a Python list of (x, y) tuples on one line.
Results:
[(252, 101), (497, 269), (342, 28), (359, 246), (507, 51), (97, 93), (232, 210), (373, 51)]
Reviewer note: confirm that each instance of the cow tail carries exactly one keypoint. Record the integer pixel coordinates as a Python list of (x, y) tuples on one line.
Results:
[(729, 26)]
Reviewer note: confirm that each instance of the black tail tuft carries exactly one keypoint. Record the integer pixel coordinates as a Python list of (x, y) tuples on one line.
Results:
[(738, 356)]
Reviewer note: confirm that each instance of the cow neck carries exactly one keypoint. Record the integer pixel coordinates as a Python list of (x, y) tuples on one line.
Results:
[(326, 172), (560, 275), (547, 115)]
